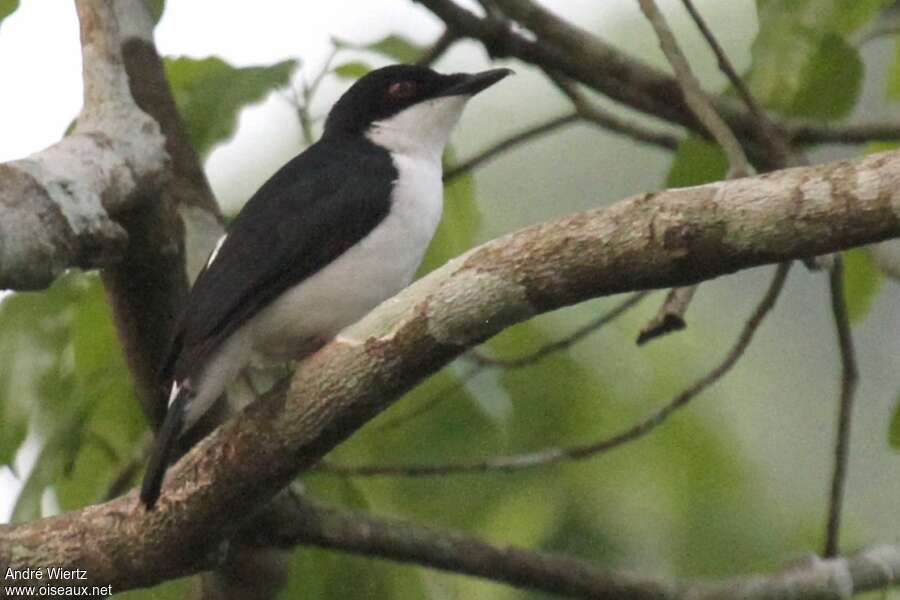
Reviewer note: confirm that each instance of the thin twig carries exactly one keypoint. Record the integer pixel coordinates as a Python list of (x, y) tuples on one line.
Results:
[(670, 316), (813, 134), (563, 344), (438, 48), (555, 455), (510, 142), (772, 137), (607, 120), (849, 379), (699, 103), (584, 110), (127, 472), (483, 361), (308, 91)]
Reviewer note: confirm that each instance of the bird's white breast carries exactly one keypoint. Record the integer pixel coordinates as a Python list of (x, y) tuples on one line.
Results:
[(370, 272)]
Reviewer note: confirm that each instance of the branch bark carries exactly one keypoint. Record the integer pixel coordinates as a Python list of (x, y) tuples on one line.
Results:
[(179, 219), (655, 240), (60, 206), (314, 523)]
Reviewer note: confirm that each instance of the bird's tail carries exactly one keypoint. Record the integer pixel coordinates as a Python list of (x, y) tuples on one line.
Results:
[(163, 449)]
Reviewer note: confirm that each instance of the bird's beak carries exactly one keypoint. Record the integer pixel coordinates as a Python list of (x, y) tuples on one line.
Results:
[(469, 84)]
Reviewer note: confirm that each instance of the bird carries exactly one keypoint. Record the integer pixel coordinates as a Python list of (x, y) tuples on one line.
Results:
[(337, 230)]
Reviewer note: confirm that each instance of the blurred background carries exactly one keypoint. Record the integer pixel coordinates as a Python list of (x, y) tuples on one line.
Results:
[(736, 482)]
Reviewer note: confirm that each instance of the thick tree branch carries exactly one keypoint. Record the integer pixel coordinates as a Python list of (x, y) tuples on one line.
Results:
[(176, 221), (662, 239), (60, 205)]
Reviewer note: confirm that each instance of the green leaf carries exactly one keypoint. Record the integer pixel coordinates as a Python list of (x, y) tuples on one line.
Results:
[(32, 339), (893, 84), (12, 434), (395, 47), (316, 574), (398, 48), (54, 461), (862, 282), (802, 63), (210, 93), (841, 16), (352, 70), (830, 81), (7, 7), (697, 161), (894, 430), (62, 372), (156, 9)]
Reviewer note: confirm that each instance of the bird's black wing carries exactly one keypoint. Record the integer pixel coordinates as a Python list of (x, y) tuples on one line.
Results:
[(311, 211)]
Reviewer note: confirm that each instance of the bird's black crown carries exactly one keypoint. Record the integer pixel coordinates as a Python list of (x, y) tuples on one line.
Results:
[(387, 91)]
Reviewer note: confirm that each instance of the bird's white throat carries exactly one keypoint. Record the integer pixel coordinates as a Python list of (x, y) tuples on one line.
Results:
[(420, 131)]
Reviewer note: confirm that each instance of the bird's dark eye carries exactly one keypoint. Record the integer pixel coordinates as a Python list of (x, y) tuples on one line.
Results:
[(402, 90)]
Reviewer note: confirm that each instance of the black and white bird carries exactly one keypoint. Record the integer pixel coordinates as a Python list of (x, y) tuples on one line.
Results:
[(336, 231)]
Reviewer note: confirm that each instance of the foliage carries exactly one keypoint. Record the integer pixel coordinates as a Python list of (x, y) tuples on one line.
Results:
[(894, 431), (209, 93), (862, 282), (395, 47), (7, 7), (696, 161), (803, 61), (59, 357)]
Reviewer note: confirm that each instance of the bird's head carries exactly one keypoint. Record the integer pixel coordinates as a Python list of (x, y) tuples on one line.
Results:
[(406, 108)]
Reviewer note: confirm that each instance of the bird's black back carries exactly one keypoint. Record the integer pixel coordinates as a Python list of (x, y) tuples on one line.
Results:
[(307, 214)]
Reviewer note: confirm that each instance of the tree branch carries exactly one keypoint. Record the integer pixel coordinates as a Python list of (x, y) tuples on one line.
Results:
[(611, 122), (60, 205), (179, 220), (512, 141), (814, 134), (579, 55), (562, 344), (696, 99), (316, 524), (663, 239), (849, 379), (773, 138), (438, 48), (670, 316)]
